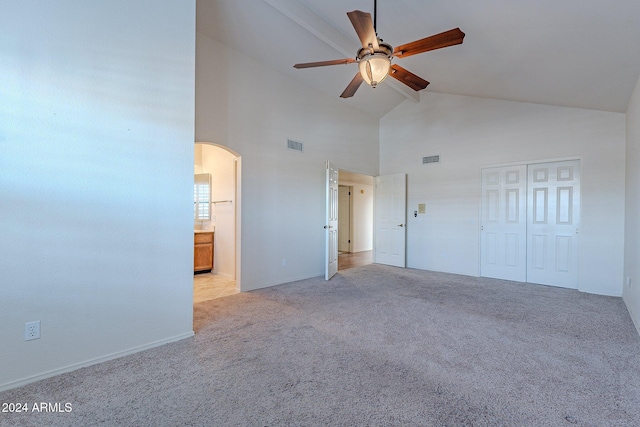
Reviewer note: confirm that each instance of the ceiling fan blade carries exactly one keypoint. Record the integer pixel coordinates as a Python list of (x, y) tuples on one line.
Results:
[(363, 25), (402, 75), (352, 87), (438, 41), (325, 63)]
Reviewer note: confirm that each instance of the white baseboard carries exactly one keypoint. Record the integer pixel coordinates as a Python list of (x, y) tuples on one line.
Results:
[(73, 367), (290, 280)]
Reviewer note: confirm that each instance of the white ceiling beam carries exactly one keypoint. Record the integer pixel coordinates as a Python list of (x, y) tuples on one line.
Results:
[(307, 19)]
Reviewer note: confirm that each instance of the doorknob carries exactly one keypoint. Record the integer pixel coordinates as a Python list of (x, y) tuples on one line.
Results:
[(327, 227), (400, 225)]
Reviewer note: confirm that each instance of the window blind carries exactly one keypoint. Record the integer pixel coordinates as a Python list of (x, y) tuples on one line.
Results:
[(202, 196)]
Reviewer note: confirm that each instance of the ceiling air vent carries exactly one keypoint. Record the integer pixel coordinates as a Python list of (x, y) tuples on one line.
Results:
[(431, 159), (294, 145)]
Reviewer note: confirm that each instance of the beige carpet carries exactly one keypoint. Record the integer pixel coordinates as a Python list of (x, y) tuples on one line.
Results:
[(375, 346)]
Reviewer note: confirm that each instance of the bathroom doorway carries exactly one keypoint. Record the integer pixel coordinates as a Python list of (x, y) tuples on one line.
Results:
[(223, 167)]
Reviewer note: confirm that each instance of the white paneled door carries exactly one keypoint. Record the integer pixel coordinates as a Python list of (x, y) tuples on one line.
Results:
[(503, 225), (390, 219), (530, 222), (331, 224), (553, 222)]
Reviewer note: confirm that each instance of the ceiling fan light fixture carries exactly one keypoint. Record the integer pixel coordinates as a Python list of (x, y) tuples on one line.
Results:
[(374, 68), (374, 58)]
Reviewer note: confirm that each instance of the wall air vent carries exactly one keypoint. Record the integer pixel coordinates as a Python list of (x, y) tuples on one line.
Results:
[(295, 145), (431, 159)]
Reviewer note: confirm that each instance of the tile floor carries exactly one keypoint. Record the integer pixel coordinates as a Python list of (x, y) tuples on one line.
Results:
[(208, 286)]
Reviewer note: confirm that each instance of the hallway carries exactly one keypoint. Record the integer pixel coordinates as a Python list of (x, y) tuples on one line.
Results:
[(354, 259)]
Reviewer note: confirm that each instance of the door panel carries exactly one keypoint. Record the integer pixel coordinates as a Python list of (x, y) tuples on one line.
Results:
[(503, 223), (553, 240), (390, 219), (331, 224), (512, 242)]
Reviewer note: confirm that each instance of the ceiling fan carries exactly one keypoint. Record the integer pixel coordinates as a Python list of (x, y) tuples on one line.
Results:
[(374, 58)]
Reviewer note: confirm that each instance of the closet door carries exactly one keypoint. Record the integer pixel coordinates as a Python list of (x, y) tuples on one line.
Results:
[(553, 222), (503, 224)]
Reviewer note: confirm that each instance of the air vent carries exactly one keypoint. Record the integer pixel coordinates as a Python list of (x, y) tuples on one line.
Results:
[(431, 159), (294, 145)]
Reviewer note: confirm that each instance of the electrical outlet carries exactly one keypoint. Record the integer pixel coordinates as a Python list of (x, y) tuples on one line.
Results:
[(628, 281), (32, 330), (284, 262)]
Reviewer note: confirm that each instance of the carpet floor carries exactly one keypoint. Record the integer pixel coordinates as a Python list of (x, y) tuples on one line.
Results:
[(375, 346)]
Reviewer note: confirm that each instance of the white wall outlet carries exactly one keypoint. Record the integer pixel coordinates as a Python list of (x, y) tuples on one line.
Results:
[(284, 262), (32, 330), (628, 281)]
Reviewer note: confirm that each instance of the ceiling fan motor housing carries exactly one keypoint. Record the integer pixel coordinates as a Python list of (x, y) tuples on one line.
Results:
[(374, 64)]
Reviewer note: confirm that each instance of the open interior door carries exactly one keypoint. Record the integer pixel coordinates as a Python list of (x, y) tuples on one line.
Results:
[(331, 224), (390, 220)]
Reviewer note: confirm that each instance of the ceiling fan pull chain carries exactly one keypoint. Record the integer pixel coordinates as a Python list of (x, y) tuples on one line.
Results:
[(375, 16)]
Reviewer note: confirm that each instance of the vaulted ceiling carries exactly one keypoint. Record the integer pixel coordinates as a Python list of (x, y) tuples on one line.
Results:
[(576, 53)]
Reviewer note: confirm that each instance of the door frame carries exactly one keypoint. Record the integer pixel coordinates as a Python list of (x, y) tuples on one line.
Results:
[(350, 215), (351, 201)]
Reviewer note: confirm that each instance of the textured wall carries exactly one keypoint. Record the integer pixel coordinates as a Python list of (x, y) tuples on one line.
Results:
[(96, 182), (632, 223), (244, 105)]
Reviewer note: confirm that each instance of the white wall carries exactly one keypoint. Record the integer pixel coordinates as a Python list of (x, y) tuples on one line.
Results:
[(631, 294), (470, 133), (250, 108), (220, 164), (96, 154)]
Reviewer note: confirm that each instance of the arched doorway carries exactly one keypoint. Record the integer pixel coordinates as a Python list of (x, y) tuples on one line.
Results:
[(223, 167)]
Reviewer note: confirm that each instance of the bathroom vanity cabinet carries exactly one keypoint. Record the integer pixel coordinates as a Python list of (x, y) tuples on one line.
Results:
[(202, 251)]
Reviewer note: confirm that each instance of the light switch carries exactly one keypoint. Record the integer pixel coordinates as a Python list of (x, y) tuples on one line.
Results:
[(421, 208)]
